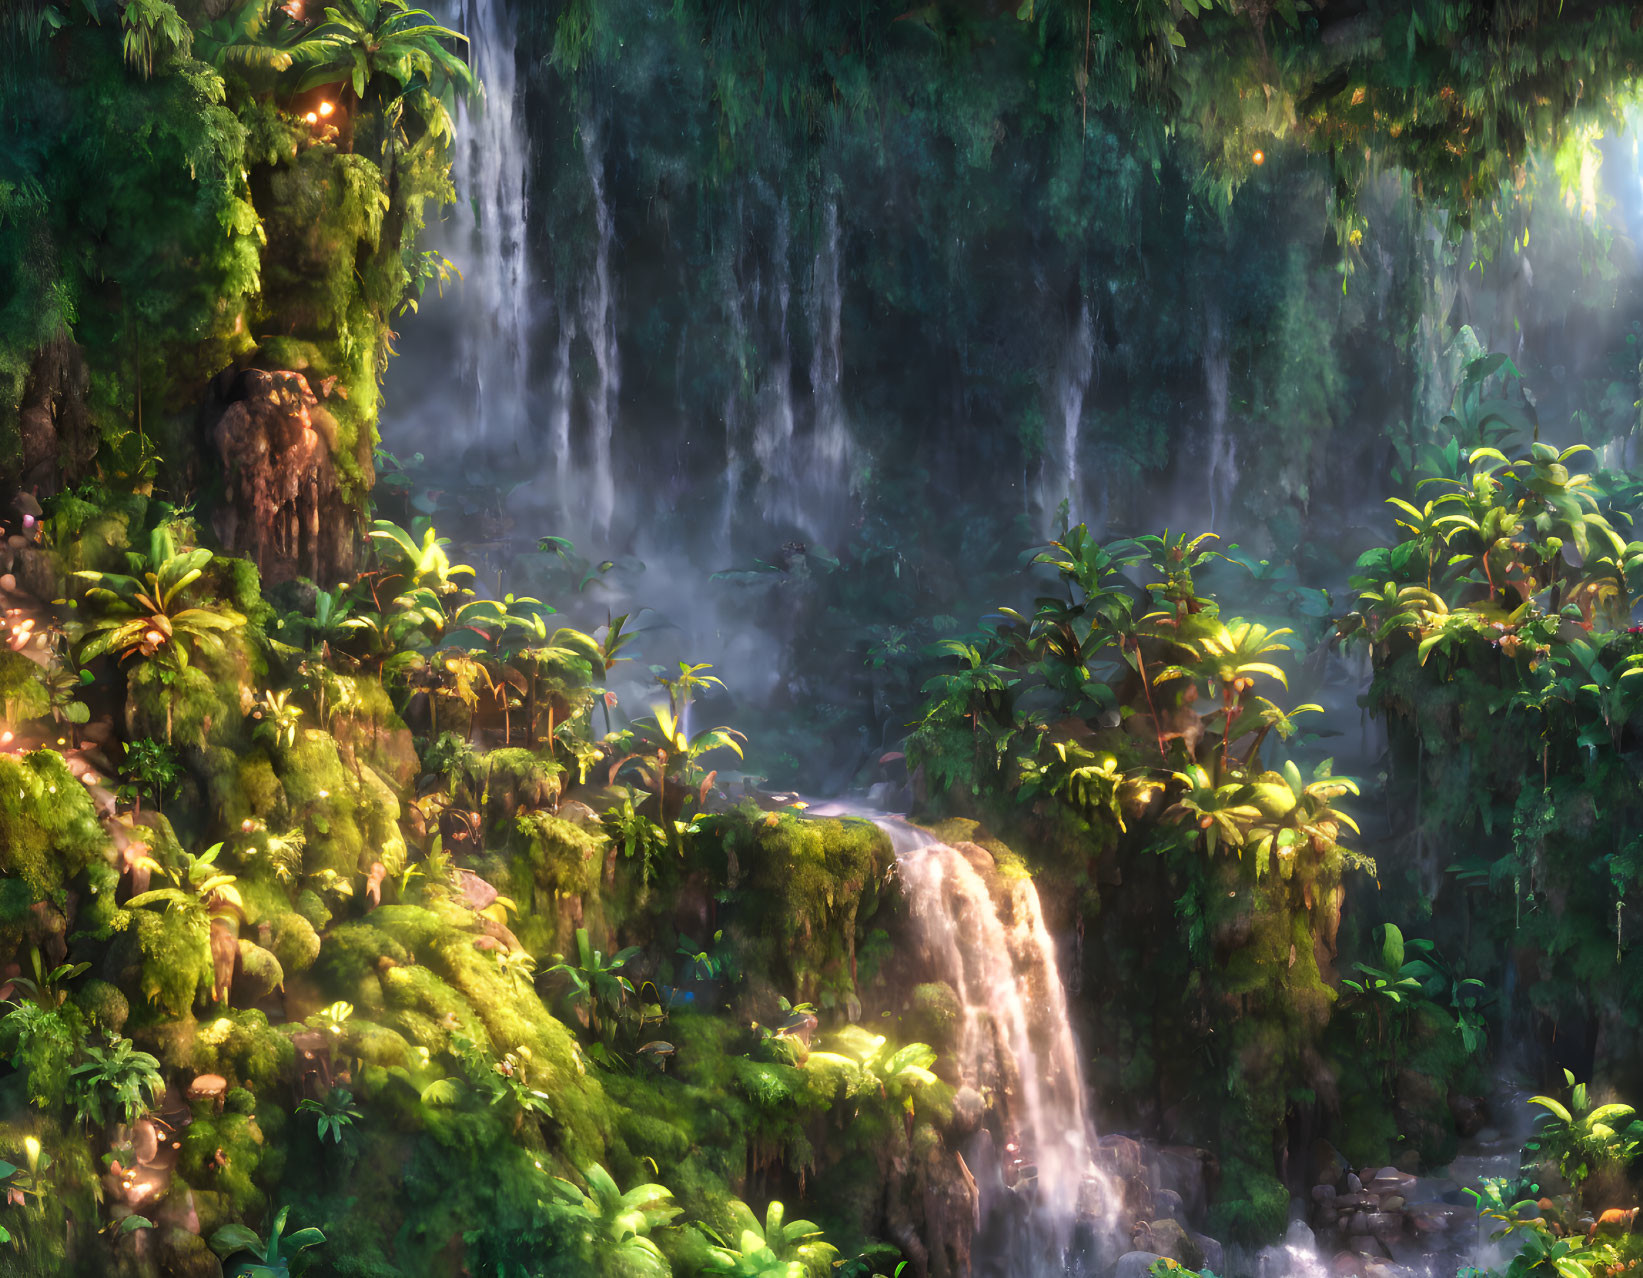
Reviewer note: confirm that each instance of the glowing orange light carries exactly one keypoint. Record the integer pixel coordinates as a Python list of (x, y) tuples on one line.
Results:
[(325, 108), (5, 738), (311, 118), (1259, 157)]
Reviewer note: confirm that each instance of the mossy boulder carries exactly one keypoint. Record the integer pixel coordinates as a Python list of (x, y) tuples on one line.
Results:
[(48, 826)]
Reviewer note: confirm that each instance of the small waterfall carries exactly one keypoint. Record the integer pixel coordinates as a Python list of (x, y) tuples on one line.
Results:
[(830, 432), (1223, 456), (484, 234), (1060, 479), (599, 321), (774, 421), (984, 934)]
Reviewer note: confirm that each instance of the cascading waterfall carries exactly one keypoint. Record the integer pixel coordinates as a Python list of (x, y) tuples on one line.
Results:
[(984, 934), (830, 432), (1060, 479), (1223, 457), (484, 234), (599, 322), (774, 422)]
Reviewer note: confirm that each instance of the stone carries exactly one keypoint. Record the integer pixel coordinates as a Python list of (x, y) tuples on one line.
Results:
[(1134, 1264), (1354, 1184), (968, 1110), (1185, 1170), (1213, 1253), (1344, 1264), (282, 505), (1323, 1194), (1392, 1202), (1389, 1180), (1119, 1154), (1386, 1225), (1167, 1238), (1166, 1202), (1331, 1166), (1359, 1224)]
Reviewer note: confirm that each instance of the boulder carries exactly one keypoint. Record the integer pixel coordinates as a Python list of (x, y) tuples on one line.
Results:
[(1167, 1238), (1134, 1264), (1212, 1252), (282, 505)]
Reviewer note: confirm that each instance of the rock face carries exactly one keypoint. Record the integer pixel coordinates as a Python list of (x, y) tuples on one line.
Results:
[(57, 440), (281, 503)]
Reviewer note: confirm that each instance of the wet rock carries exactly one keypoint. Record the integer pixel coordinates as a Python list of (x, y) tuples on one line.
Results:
[(577, 813), (282, 505), (1344, 1264), (185, 1255), (968, 1110), (951, 1205), (1323, 1195), (1167, 1238), (1353, 1184), (1392, 1202), (1166, 1202), (1119, 1154), (1331, 1166), (1386, 1225), (1134, 1264), (1359, 1224), (1212, 1252), (1471, 1114), (1185, 1170)]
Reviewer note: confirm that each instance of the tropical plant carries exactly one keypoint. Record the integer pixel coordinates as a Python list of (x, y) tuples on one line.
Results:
[(365, 43), (1582, 1138), (596, 984), (150, 769), (246, 1254), (277, 719), (614, 1225), (333, 1115), (775, 1248), (116, 1081), (1388, 990), (148, 616)]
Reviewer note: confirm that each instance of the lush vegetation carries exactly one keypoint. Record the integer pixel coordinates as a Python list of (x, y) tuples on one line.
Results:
[(358, 919)]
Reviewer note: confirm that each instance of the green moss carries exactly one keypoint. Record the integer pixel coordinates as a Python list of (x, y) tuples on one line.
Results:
[(48, 827), (224, 1153), (245, 1049), (103, 1004), (296, 945), (1253, 1205), (22, 692)]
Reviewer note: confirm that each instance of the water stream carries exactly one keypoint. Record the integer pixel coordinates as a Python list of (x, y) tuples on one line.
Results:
[(1045, 1207)]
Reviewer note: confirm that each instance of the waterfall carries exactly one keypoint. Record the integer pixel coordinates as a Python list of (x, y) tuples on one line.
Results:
[(773, 423), (984, 934), (1223, 458), (599, 319), (830, 433), (1060, 480), (484, 234)]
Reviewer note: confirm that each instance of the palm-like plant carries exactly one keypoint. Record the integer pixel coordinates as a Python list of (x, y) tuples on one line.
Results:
[(147, 616), (778, 1248), (616, 1225), (1228, 658), (365, 43), (1223, 813)]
